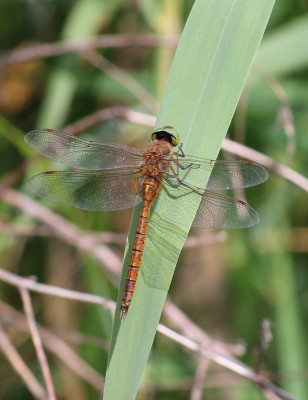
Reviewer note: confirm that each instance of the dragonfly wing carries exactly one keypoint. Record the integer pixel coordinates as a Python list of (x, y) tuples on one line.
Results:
[(236, 174), (80, 153), (218, 211), (86, 190), (223, 174), (213, 210)]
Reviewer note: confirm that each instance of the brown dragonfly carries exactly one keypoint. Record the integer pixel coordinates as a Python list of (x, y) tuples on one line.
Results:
[(119, 177)]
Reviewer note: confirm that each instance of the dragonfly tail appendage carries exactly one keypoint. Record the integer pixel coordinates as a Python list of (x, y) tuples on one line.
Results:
[(135, 259), (123, 312)]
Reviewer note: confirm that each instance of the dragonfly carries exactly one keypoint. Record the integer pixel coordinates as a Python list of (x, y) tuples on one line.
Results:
[(109, 177)]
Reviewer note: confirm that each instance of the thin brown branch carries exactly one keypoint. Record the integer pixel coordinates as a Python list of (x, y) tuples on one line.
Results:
[(56, 346), (45, 231), (280, 169), (269, 395), (220, 351), (82, 338), (109, 113), (106, 237), (204, 345), (241, 150), (285, 117), (140, 118), (234, 365), (65, 230), (197, 387), (124, 78), (237, 149), (205, 239), (37, 342), (265, 337), (26, 231), (215, 350), (220, 379), (36, 51), (29, 284), (15, 175), (68, 356), (189, 329), (20, 367), (176, 316), (96, 118)]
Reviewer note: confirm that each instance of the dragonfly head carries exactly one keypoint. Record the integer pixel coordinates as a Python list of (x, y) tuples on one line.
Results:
[(168, 134)]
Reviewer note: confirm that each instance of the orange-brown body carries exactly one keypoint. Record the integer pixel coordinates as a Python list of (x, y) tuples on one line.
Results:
[(153, 169), (106, 184)]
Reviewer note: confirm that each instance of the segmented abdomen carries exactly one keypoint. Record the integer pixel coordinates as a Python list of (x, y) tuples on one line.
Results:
[(135, 258)]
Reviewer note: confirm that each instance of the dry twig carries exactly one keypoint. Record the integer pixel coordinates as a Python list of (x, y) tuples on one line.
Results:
[(145, 98), (205, 347), (227, 362), (280, 169), (30, 284), (228, 145), (37, 342), (20, 367), (65, 230), (285, 116), (56, 346), (202, 368), (45, 50)]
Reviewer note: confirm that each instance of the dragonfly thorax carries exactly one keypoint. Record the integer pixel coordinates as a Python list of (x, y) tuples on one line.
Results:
[(150, 188), (151, 171), (154, 159)]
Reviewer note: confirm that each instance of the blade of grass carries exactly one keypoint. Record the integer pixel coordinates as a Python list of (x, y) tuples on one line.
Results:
[(283, 51), (207, 76), (289, 330), (13, 135), (289, 323)]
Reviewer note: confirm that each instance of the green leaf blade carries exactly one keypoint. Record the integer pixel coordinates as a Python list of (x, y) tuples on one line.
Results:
[(205, 82)]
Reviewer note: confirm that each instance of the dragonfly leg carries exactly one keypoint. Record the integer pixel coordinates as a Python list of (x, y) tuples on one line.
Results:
[(195, 166), (181, 181), (137, 188), (180, 152)]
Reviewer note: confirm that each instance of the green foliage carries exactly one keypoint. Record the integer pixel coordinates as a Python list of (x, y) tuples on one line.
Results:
[(226, 288)]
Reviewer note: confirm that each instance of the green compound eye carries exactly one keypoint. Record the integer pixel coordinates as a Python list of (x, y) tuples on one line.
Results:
[(166, 133)]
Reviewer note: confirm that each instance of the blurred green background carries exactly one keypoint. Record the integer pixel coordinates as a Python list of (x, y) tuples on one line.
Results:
[(227, 287)]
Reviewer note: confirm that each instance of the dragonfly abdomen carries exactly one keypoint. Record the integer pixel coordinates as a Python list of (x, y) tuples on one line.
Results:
[(151, 188), (135, 258)]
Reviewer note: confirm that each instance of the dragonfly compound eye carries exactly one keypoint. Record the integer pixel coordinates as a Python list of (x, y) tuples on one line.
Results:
[(168, 134)]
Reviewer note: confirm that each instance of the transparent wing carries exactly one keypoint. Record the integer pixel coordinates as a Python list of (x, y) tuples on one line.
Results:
[(214, 210), (86, 190), (82, 154), (218, 211), (223, 174)]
